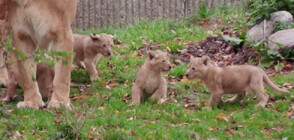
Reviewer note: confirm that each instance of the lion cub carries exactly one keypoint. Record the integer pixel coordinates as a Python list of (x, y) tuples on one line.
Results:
[(88, 48), (150, 80), (231, 80)]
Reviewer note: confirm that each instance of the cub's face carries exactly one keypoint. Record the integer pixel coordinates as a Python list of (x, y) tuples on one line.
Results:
[(198, 67), (103, 43), (159, 60)]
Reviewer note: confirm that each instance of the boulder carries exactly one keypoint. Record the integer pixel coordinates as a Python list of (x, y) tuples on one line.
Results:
[(256, 32), (283, 37), (281, 16)]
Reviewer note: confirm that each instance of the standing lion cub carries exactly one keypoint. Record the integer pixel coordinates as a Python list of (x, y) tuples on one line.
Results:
[(150, 80), (231, 80), (88, 48)]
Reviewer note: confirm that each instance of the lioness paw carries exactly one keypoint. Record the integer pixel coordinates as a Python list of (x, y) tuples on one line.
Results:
[(57, 104), (6, 99), (30, 105)]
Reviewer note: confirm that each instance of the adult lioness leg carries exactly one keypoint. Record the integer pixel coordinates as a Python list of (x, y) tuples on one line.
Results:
[(61, 82), (26, 70), (40, 23), (63, 43)]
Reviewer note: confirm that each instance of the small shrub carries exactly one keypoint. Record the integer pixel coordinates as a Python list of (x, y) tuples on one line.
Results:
[(283, 26), (261, 9), (203, 13)]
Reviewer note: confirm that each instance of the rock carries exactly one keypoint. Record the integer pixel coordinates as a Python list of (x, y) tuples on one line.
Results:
[(200, 51), (228, 49), (184, 51), (256, 32), (281, 16), (192, 49), (283, 37)]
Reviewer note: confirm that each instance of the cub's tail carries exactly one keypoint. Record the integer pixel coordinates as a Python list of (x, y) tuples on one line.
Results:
[(272, 85)]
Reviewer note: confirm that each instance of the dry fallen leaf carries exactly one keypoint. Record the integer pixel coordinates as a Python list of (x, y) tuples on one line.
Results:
[(135, 54), (126, 67), (168, 49), (288, 85), (212, 129), (229, 131), (101, 82), (107, 87), (222, 116), (102, 108), (279, 128), (186, 80), (267, 132), (112, 83), (188, 43), (131, 118), (189, 105), (132, 133), (127, 97)]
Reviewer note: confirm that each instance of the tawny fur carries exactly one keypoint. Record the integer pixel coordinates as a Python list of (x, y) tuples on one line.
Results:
[(42, 23), (150, 81), (44, 78), (88, 48), (231, 80), (4, 36)]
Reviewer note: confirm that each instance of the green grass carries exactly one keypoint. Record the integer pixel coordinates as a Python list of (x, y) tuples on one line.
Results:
[(110, 117), (222, 15)]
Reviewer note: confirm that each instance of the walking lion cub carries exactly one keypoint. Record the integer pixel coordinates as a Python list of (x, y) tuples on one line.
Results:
[(88, 48), (150, 80), (231, 80)]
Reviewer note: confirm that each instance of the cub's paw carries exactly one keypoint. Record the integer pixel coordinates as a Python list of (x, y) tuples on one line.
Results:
[(163, 101), (94, 78)]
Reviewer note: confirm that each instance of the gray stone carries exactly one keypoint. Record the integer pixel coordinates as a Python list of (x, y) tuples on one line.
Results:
[(281, 16), (283, 37), (184, 51), (256, 32)]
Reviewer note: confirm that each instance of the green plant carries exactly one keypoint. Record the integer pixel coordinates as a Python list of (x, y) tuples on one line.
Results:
[(283, 26), (203, 13), (261, 9), (267, 56)]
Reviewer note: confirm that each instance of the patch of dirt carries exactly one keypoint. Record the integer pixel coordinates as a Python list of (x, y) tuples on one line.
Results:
[(221, 52)]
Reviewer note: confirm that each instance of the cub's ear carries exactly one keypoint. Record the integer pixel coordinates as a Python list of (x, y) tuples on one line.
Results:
[(151, 55), (113, 37), (205, 60), (95, 37)]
